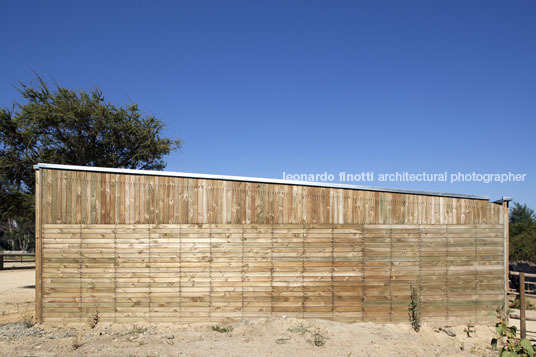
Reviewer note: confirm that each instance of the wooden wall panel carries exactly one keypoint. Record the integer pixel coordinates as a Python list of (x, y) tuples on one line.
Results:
[(167, 249), (211, 272), (73, 197)]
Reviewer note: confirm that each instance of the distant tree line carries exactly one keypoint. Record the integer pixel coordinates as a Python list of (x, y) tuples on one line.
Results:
[(57, 125), (522, 233)]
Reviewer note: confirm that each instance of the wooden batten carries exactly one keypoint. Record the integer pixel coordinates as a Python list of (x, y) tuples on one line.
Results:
[(38, 249)]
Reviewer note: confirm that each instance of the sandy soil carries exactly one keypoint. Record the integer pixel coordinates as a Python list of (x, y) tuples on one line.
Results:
[(17, 293), (279, 337)]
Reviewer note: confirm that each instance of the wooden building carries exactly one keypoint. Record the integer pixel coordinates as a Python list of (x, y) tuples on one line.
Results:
[(177, 247)]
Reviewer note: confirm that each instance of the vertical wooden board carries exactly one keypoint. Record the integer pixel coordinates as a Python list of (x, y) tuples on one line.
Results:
[(154, 203), (160, 195), (247, 203), (181, 202), (120, 198), (213, 201), (192, 201), (288, 205), (38, 247), (46, 187), (148, 208), (258, 204), (54, 196), (172, 206), (243, 203), (131, 192), (233, 203), (270, 205), (86, 198), (78, 204), (94, 199), (199, 198), (62, 190), (69, 197), (373, 208), (110, 196), (142, 209), (138, 201), (101, 189), (101, 198)]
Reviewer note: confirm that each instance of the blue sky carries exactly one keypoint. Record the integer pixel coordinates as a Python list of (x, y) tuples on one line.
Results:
[(258, 88)]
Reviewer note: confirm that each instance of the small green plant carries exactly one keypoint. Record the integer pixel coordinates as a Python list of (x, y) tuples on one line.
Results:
[(469, 330), (221, 329), (516, 304), (94, 320), (28, 321), (300, 329), (137, 330), (511, 345), (415, 309)]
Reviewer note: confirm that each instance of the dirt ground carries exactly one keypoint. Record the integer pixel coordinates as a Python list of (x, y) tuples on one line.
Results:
[(17, 293), (276, 337)]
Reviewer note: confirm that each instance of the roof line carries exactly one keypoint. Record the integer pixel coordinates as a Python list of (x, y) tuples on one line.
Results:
[(253, 179)]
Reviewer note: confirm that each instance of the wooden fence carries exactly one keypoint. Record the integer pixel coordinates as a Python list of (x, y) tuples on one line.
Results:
[(181, 251)]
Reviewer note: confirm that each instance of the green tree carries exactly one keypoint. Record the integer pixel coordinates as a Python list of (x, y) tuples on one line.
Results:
[(522, 233), (521, 213), (64, 126)]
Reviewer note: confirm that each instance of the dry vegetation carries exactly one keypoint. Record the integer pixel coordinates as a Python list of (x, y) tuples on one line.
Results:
[(279, 337)]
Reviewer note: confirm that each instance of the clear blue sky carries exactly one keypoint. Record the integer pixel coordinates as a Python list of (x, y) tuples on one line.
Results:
[(258, 88)]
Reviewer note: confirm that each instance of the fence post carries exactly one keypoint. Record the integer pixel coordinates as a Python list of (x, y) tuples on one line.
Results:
[(522, 323)]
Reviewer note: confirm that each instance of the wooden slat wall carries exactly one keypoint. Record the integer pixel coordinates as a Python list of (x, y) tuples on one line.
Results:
[(167, 249), (74, 197)]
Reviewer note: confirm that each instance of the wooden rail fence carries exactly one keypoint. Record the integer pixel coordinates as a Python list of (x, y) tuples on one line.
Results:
[(522, 302), (9, 255)]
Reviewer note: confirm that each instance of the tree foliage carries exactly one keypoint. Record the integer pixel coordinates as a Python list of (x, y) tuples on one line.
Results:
[(522, 233), (64, 126)]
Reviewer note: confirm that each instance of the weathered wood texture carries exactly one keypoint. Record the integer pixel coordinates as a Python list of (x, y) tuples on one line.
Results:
[(75, 197), (166, 249)]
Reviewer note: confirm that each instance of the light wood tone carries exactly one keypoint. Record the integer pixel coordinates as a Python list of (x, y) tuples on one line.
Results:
[(167, 249), (38, 249), (102, 198), (506, 220), (522, 322), (209, 272)]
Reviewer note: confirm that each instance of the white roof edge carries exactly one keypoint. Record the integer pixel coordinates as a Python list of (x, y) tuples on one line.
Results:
[(253, 179)]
